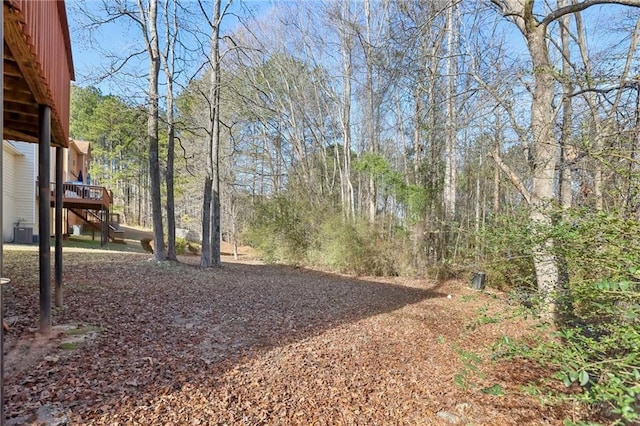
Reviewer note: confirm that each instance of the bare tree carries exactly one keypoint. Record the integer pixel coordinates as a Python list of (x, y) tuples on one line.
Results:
[(451, 142), (534, 29), (566, 151), (148, 21), (168, 62), (211, 204), (346, 54)]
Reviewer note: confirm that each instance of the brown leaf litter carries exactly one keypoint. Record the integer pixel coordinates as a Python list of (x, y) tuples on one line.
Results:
[(247, 344)]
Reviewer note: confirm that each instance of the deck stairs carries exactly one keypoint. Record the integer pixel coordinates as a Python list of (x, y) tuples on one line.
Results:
[(95, 221)]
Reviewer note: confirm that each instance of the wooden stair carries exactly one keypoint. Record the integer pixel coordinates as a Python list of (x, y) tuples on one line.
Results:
[(95, 222), (92, 204)]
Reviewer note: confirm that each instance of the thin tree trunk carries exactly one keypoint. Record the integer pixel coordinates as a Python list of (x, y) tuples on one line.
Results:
[(346, 48), (372, 195), (451, 152), (168, 70), (152, 125), (633, 203), (212, 257), (565, 195), (496, 170)]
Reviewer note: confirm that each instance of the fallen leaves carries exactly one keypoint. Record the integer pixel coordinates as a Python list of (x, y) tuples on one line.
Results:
[(250, 344)]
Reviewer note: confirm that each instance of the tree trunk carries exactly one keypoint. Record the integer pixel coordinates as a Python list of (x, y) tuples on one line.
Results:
[(205, 255), (171, 211), (212, 181), (496, 170), (565, 196), (168, 70), (450, 150), (372, 194), (346, 49), (152, 129), (544, 165)]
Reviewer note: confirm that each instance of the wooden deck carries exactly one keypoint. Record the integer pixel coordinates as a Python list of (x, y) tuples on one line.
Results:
[(81, 196)]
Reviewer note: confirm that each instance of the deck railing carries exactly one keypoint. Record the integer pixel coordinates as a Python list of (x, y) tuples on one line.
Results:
[(74, 191)]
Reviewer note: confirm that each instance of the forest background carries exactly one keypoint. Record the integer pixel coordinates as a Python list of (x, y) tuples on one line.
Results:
[(382, 137)]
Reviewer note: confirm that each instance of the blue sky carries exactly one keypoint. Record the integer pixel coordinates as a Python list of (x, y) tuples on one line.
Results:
[(91, 48)]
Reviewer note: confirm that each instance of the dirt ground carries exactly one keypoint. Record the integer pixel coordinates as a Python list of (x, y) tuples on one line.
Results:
[(141, 342), (135, 234)]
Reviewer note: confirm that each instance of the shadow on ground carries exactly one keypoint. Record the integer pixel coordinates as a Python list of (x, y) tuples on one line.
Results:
[(166, 326)]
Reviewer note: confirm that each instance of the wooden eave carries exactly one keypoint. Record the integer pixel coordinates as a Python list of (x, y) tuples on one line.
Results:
[(24, 86)]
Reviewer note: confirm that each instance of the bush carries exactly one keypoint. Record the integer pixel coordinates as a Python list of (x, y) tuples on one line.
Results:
[(290, 231), (181, 245), (506, 252), (598, 347), (602, 343), (281, 230), (352, 248)]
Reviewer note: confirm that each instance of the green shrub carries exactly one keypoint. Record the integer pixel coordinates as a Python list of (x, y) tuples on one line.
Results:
[(598, 347), (507, 243), (181, 245), (280, 229), (602, 345), (290, 231), (352, 248)]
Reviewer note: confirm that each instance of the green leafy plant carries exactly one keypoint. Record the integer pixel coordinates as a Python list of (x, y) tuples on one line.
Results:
[(494, 389), (507, 245), (483, 319), (181, 245), (353, 248), (595, 351), (280, 229), (470, 371)]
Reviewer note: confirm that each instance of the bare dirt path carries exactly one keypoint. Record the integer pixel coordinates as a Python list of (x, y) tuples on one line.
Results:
[(254, 344), (135, 234)]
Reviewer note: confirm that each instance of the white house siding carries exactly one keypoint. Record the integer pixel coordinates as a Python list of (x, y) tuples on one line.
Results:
[(19, 168)]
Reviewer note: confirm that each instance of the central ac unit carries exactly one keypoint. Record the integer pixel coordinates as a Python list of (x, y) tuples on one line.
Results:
[(23, 235)]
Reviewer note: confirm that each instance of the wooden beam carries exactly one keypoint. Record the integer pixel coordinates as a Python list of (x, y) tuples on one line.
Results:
[(26, 127), (26, 60), (20, 106), (18, 136), (25, 76)]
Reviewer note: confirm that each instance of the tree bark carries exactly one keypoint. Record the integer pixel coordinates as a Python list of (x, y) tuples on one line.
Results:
[(565, 195), (346, 49), (151, 38), (167, 60), (211, 246), (544, 162), (205, 254), (450, 149), (370, 113), (496, 170)]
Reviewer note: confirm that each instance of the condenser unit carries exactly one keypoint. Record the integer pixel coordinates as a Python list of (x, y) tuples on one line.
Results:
[(23, 235)]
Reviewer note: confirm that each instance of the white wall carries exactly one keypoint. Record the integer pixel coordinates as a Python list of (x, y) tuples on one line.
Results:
[(19, 169)]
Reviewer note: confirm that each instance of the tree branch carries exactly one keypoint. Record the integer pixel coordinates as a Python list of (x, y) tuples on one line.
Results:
[(578, 7), (513, 177), (629, 84)]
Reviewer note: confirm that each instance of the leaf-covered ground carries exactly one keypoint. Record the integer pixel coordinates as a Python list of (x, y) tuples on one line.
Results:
[(142, 343)]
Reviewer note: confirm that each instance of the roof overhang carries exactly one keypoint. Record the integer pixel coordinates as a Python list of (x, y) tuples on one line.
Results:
[(33, 74), (81, 147), (9, 147)]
